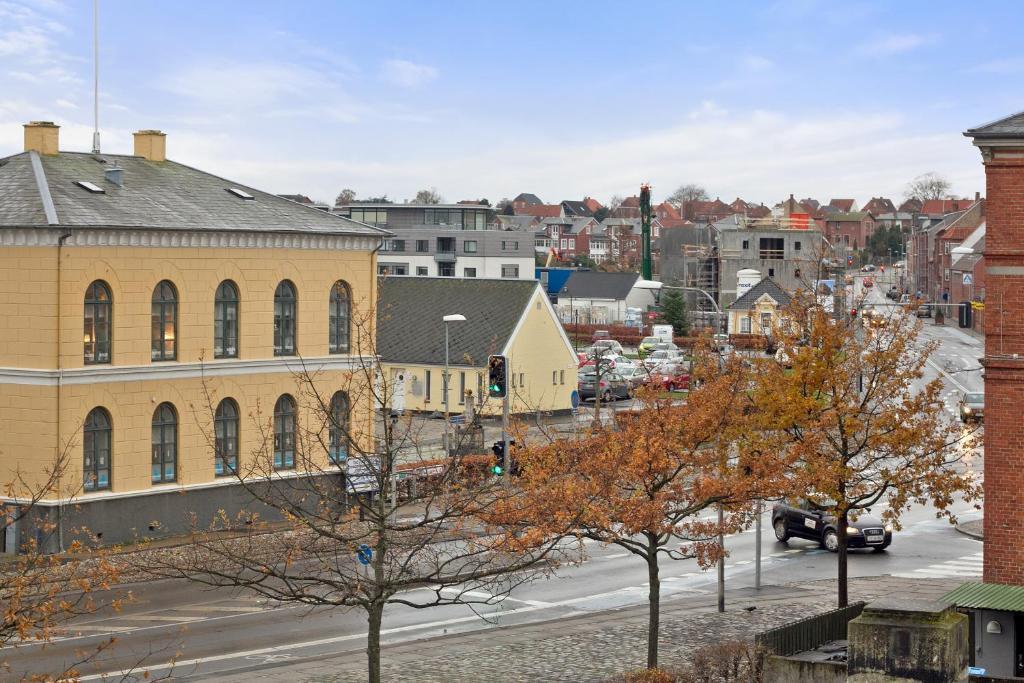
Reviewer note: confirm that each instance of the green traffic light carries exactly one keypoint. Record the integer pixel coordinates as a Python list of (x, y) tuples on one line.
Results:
[(496, 469)]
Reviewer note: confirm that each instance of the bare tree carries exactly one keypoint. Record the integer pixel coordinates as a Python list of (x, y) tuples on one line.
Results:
[(376, 517), (430, 196), (614, 202), (40, 592), (346, 196), (927, 186), (687, 193)]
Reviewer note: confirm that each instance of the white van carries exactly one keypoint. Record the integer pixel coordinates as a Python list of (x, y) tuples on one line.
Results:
[(663, 332)]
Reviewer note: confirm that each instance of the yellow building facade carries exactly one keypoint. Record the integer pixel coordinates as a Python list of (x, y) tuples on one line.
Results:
[(503, 317), (154, 319)]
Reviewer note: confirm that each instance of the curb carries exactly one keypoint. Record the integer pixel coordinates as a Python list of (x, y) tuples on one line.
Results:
[(968, 532)]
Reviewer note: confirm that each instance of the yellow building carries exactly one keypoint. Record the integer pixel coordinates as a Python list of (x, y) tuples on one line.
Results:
[(128, 283), (759, 310), (513, 318)]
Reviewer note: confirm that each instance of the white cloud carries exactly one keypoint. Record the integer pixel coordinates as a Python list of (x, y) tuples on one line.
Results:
[(407, 74), (707, 109), (1009, 65), (756, 63), (66, 104), (893, 44)]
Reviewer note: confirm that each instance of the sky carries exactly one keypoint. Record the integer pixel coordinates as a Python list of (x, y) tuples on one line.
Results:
[(562, 99)]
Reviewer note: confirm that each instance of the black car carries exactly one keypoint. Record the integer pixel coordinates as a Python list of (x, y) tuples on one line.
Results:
[(802, 519)]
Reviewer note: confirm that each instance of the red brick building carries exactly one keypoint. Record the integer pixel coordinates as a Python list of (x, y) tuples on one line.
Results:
[(850, 230), (1002, 150)]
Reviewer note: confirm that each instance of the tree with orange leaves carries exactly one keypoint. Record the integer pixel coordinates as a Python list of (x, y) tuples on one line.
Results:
[(642, 482), (847, 406)]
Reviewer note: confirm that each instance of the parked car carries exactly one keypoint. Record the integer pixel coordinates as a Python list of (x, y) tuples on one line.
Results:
[(972, 406), (601, 334), (656, 358), (611, 386), (647, 344), (666, 346), (670, 377), (607, 345), (924, 311), (608, 360), (803, 519), (636, 375), (869, 268), (893, 293)]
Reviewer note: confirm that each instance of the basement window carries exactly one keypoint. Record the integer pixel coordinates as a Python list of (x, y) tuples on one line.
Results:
[(95, 189), (241, 194)]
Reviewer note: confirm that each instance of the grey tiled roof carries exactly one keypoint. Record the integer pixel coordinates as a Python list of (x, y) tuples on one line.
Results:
[(1009, 127), (410, 329), (158, 195), (591, 284), (766, 286)]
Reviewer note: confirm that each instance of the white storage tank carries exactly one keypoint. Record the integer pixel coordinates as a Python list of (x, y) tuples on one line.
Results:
[(745, 279)]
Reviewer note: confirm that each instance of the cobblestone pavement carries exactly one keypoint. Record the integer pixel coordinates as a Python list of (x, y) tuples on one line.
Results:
[(593, 647)]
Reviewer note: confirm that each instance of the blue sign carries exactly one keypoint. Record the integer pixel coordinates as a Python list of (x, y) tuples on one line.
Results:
[(975, 671), (364, 554), (458, 419), (575, 399)]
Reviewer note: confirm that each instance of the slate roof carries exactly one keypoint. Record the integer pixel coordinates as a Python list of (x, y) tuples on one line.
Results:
[(156, 195), (540, 210), (765, 286), (409, 319), (842, 204), (590, 284), (528, 197), (575, 208), (1010, 127)]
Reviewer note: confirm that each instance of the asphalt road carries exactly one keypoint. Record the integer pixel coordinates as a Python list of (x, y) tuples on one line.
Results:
[(208, 632)]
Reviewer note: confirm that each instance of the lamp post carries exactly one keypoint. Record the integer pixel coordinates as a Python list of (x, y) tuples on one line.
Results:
[(454, 318), (656, 287)]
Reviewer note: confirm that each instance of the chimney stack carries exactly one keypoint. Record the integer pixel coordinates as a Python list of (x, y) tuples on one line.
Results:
[(41, 136), (977, 196), (151, 145)]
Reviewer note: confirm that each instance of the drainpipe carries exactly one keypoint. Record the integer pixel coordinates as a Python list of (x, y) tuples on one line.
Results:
[(60, 384)]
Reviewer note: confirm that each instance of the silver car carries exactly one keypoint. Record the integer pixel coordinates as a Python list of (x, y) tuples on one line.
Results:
[(972, 407), (662, 356)]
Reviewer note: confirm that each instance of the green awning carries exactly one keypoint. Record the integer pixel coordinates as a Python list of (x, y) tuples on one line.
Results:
[(994, 596)]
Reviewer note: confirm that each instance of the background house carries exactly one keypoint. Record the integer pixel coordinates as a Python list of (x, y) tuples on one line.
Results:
[(759, 309), (591, 297), (509, 317)]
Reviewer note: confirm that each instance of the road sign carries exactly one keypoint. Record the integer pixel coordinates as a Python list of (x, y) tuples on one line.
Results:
[(363, 474), (364, 554), (574, 398), (978, 305), (458, 419), (968, 279)]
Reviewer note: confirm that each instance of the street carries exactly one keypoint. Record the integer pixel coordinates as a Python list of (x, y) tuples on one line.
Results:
[(215, 632)]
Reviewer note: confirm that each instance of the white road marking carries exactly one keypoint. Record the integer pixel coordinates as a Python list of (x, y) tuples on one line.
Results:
[(158, 617), (223, 608)]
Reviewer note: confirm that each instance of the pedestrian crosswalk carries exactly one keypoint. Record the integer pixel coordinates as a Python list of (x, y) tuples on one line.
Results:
[(966, 566)]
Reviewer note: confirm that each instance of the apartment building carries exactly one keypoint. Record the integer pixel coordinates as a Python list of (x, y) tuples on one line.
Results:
[(137, 292), (445, 240)]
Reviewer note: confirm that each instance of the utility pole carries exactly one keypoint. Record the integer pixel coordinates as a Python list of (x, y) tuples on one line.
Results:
[(504, 429)]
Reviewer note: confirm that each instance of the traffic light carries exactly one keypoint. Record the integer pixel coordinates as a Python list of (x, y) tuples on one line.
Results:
[(497, 377), (499, 457), (853, 312)]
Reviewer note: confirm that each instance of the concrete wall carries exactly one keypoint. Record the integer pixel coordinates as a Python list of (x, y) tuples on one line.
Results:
[(734, 258), (792, 670)]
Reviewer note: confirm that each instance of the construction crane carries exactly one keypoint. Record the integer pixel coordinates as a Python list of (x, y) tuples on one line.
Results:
[(645, 232)]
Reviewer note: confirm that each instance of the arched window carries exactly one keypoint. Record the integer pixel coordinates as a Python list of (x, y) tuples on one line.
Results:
[(96, 442), (284, 319), (284, 433), (165, 322), (225, 424), (165, 444), (225, 321), (338, 319), (340, 434), (97, 323)]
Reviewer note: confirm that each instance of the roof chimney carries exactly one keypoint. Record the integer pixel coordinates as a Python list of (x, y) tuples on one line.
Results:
[(151, 145), (977, 196), (41, 136), (114, 174)]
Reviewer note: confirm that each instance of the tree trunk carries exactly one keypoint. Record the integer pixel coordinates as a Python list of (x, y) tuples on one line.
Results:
[(842, 526), (375, 615), (654, 616)]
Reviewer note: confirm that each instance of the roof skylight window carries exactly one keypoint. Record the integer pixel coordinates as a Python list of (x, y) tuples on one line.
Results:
[(95, 189), (241, 194)]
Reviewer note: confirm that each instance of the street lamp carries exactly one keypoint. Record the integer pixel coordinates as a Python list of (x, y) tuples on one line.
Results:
[(453, 318), (656, 287)]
